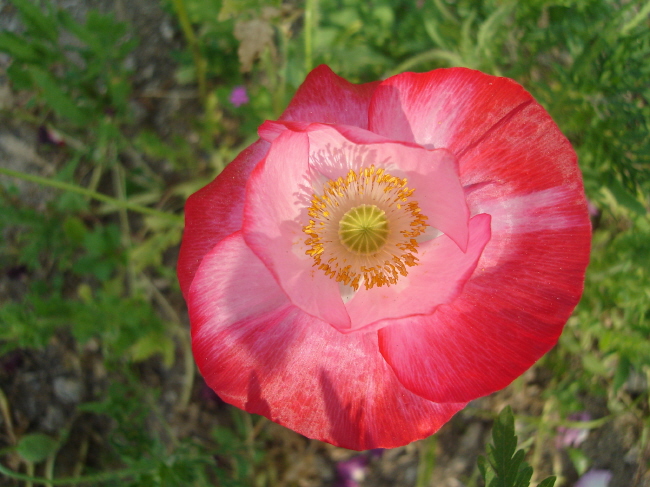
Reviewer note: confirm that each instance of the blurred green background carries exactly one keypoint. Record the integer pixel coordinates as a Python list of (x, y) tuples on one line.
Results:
[(113, 112)]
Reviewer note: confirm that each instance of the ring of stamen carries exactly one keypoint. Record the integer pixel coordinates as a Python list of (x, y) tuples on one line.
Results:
[(362, 228)]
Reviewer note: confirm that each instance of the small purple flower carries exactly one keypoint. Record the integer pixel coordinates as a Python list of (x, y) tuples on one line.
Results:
[(49, 136), (595, 478), (567, 437), (593, 210), (238, 96), (351, 472)]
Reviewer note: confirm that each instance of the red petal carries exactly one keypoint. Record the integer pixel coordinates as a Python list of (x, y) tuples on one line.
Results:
[(263, 355), (445, 108), (215, 211), (524, 153), (327, 98), (507, 317), (517, 167)]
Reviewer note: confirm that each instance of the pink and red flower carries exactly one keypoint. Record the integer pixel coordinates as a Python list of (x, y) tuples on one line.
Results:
[(384, 254)]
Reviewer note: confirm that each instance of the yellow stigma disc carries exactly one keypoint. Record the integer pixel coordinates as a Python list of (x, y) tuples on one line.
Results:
[(362, 228)]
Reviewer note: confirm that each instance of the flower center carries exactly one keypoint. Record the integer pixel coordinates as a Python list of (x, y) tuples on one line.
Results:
[(362, 228)]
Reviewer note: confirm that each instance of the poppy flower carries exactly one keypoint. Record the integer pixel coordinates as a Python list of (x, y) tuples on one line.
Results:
[(385, 253)]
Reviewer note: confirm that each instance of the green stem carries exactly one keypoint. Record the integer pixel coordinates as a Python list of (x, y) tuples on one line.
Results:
[(91, 194), (426, 462), (310, 8), (452, 59), (190, 38), (638, 18), (87, 479), (120, 188)]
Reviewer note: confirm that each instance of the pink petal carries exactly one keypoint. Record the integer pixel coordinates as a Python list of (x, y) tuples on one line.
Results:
[(278, 195), (434, 174), (271, 129), (439, 278), (446, 108), (263, 355), (215, 211), (327, 98)]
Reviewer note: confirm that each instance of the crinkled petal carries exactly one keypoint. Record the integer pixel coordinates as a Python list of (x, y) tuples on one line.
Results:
[(433, 174), (261, 354), (523, 155), (277, 201), (215, 211), (335, 149), (439, 277), (506, 318), (522, 171), (328, 98), (446, 108)]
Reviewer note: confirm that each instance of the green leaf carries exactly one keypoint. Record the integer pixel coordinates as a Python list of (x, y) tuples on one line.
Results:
[(233, 8), (18, 47), (20, 78), (505, 467), (547, 482), (55, 97), (580, 461), (36, 447), (623, 370), (79, 30), (624, 198), (37, 23), (152, 344), (505, 441)]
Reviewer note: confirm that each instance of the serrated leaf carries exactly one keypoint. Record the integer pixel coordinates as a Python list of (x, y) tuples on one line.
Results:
[(579, 459), (18, 48), (624, 198), (504, 467), (151, 344), (78, 30), (518, 471), (547, 482), (233, 8), (623, 370), (505, 441), (482, 465), (36, 447), (524, 474), (55, 97), (20, 78), (37, 23)]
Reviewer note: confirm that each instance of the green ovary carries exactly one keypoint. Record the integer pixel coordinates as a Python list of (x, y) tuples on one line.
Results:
[(364, 229)]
